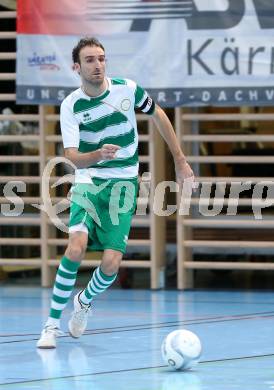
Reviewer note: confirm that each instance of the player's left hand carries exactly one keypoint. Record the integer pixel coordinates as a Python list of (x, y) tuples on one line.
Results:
[(184, 173)]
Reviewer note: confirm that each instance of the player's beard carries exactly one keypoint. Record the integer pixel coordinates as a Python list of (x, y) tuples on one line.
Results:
[(97, 83)]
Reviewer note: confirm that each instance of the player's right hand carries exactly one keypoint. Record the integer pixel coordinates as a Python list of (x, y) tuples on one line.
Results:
[(108, 151)]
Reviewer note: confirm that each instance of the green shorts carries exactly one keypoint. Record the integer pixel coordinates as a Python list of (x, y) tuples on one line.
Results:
[(104, 210)]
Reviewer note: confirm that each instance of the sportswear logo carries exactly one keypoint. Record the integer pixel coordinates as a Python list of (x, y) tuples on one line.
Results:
[(125, 239), (86, 117)]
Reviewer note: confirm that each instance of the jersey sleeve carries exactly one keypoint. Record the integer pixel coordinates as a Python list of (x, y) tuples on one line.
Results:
[(143, 101), (69, 127)]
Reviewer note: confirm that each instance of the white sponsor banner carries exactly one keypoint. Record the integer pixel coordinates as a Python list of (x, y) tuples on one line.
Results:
[(214, 52)]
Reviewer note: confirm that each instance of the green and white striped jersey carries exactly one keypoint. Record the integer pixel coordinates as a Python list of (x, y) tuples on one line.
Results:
[(88, 123)]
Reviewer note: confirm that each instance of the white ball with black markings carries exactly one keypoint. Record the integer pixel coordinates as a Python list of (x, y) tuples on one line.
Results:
[(181, 349)]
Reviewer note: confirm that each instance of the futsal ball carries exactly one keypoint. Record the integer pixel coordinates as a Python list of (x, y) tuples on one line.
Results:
[(181, 349)]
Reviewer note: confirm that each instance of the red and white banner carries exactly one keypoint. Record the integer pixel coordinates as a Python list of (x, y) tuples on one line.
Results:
[(185, 52)]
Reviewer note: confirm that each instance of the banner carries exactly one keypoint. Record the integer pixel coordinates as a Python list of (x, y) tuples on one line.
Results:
[(184, 52)]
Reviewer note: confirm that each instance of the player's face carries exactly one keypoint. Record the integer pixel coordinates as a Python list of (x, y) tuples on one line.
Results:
[(92, 64)]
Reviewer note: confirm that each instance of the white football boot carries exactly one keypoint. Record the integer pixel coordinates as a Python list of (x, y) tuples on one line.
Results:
[(79, 318), (48, 337)]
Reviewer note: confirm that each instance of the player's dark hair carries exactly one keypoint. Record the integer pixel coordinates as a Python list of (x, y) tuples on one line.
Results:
[(86, 41)]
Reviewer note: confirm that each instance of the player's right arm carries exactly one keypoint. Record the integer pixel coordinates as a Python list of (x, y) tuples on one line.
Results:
[(71, 140), (84, 160)]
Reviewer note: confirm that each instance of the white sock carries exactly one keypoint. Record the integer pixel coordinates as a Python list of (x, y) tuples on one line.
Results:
[(55, 322)]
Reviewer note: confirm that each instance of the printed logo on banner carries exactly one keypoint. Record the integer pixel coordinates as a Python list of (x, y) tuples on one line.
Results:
[(143, 12), (44, 62)]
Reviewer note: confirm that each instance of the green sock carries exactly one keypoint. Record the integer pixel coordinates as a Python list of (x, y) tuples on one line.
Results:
[(64, 283), (97, 284)]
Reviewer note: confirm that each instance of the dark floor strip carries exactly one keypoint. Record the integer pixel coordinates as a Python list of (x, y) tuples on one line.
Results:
[(130, 370), (131, 328)]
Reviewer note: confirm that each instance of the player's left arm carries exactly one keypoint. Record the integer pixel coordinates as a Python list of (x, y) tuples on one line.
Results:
[(163, 124)]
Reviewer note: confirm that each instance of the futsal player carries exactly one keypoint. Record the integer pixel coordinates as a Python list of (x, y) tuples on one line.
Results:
[(100, 137)]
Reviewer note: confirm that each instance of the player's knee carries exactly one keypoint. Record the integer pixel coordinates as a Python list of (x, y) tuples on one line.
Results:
[(77, 246), (111, 263), (75, 251)]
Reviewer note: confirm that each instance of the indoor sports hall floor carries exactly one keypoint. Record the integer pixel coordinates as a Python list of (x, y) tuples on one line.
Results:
[(121, 348)]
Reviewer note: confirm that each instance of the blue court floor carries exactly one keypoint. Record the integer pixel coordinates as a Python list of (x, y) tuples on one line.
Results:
[(121, 348)]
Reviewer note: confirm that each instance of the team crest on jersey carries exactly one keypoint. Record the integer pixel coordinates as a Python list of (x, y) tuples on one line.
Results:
[(125, 104)]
